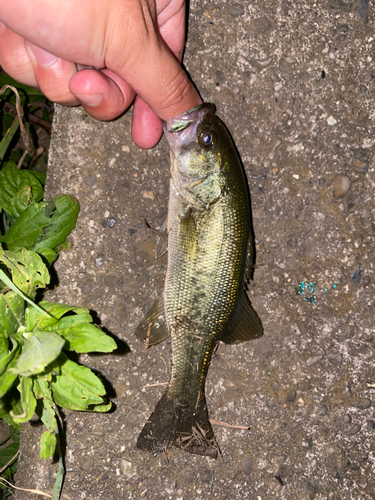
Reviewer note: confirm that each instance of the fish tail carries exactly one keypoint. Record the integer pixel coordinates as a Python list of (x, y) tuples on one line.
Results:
[(177, 423)]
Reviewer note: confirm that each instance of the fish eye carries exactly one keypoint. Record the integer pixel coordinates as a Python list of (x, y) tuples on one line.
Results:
[(208, 138)]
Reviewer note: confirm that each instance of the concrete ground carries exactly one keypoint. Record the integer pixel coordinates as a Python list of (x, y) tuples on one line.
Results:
[(294, 82)]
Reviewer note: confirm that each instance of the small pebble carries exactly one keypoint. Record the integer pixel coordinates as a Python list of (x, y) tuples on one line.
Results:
[(370, 424), (314, 359), (341, 185), (322, 410), (366, 281), (99, 261), (91, 180), (331, 121), (356, 276), (237, 10), (262, 25), (290, 396), (278, 87), (285, 67), (148, 194), (363, 9), (354, 429), (246, 465), (362, 404), (111, 221), (347, 419), (284, 471)]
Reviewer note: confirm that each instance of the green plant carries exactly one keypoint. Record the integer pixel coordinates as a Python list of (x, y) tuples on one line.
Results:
[(36, 373)]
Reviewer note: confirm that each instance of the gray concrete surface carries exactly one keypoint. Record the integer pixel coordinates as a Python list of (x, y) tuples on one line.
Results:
[(294, 82)]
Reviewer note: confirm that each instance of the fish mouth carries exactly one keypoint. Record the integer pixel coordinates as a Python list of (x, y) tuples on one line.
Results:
[(183, 120), (182, 128)]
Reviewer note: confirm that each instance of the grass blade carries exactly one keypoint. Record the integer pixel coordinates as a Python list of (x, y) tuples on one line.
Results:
[(13, 287)]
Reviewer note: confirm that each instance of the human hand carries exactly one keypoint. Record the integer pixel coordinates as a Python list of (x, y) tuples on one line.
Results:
[(130, 41)]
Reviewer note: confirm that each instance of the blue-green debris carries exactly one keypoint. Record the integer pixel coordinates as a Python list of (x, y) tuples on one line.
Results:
[(308, 290)]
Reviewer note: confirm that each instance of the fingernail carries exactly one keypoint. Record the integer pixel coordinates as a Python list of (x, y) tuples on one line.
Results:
[(90, 100), (42, 57)]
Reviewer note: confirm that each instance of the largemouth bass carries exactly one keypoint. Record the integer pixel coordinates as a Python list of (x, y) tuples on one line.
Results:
[(210, 260)]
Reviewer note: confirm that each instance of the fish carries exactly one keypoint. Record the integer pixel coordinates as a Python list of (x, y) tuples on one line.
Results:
[(210, 261)]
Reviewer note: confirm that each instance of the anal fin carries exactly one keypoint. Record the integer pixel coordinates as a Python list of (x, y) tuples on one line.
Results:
[(153, 329), (244, 324)]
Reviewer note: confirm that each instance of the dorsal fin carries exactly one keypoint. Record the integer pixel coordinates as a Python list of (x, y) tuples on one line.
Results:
[(244, 324), (153, 329)]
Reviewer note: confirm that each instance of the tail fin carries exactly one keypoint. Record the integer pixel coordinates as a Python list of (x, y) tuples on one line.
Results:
[(173, 423)]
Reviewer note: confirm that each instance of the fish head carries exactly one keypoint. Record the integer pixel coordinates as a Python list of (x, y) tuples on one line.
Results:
[(198, 141)]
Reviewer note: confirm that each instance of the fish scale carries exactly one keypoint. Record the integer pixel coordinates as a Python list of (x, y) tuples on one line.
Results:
[(210, 251)]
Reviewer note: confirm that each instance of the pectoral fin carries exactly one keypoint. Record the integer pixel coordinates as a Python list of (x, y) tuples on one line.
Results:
[(153, 328), (244, 325)]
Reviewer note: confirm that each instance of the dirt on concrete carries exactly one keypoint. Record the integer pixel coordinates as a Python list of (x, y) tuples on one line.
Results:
[(294, 82)]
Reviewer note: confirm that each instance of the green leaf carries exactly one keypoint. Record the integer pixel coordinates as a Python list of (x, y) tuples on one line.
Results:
[(4, 347), (35, 320), (42, 390), (30, 226), (39, 350), (12, 311), (48, 416), (60, 473), (11, 402), (9, 452), (27, 268), (47, 445), (7, 357), (76, 328), (8, 378), (41, 176), (78, 388), (62, 223), (82, 335), (13, 287), (28, 401), (18, 189), (49, 255), (43, 225), (7, 139)]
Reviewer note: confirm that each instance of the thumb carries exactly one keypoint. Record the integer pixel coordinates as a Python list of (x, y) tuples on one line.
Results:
[(153, 72)]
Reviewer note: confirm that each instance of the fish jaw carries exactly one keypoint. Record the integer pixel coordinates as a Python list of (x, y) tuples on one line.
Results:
[(196, 171), (182, 128)]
